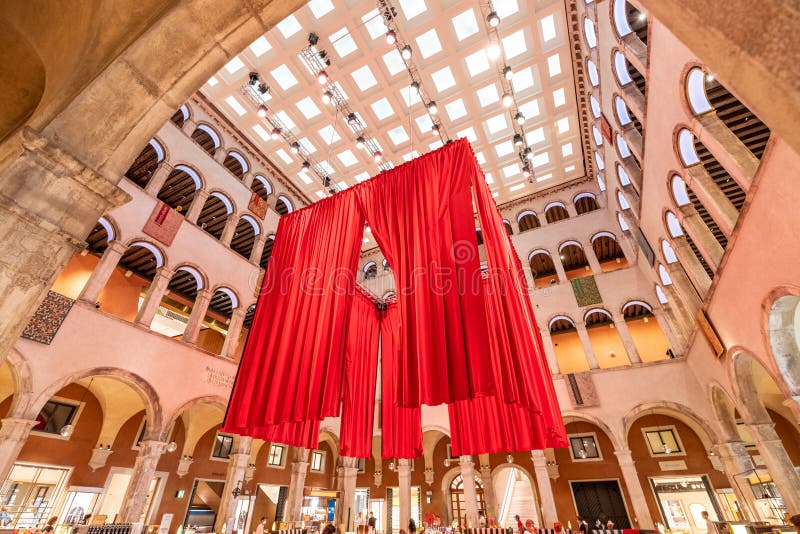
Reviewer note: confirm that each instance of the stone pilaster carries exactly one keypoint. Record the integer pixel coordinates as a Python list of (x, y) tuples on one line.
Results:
[(234, 330), (14, 433), (627, 340), (404, 482), (152, 300), (641, 512), (488, 487), (199, 309), (778, 463), (347, 476), (102, 272), (234, 477), (196, 206), (294, 497), (737, 465), (470, 492), (144, 469), (549, 350), (583, 334), (548, 502)]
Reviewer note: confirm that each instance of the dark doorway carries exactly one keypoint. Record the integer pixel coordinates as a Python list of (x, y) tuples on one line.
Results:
[(601, 499)]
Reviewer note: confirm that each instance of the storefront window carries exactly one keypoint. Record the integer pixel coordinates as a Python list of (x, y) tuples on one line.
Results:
[(30, 495)]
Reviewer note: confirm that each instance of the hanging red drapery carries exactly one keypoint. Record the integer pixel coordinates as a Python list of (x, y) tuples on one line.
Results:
[(401, 428), (421, 216), (360, 376), (291, 369)]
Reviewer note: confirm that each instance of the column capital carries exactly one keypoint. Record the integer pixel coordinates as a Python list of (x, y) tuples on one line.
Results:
[(16, 427), (624, 457)]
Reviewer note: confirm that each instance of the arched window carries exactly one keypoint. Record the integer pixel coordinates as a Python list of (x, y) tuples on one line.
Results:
[(134, 271), (542, 268), (598, 159), (622, 174), (597, 317), (625, 116), (561, 324), (215, 214), (386, 267), (739, 119), (573, 259), (594, 76), (145, 164), (180, 116), (207, 138), (584, 203), (601, 184), (669, 253), (244, 237), (696, 91), (673, 226), (650, 342), (623, 202), (662, 298), (621, 68), (261, 187), (623, 149), (98, 239), (555, 211), (370, 270), (179, 301), (507, 224), (595, 106), (527, 220), (620, 14), (479, 236), (457, 500), (692, 152), (686, 148), (679, 192), (589, 33), (623, 224), (179, 189), (283, 206), (598, 137), (664, 275), (236, 164), (267, 252), (608, 252)]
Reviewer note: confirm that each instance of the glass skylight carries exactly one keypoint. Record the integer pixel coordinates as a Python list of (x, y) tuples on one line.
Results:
[(411, 155), (566, 150), (465, 24), (329, 134), (308, 108), (487, 95), (523, 79), (398, 135), (514, 44), (535, 136), (468, 134), (284, 156), (394, 63), (289, 26), (443, 79), (517, 187), (559, 98), (504, 149), (548, 28), (325, 166), (320, 8), (304, 175), (412, 8), (554, 65), (563, 125), (284, 77), (410, 96), (456, 109), (305, 143), (382, 108), (424, 123), (343, 42), (235, 105), (212, 81), (360, 177), (374, 24), (364, 78), (260, 46), (480, 158), (540, 159), (489, 178), (477, 62), (506, 8), (347, 158), (495, 124), (285, 120), (530, 109), (429, 43), (511, 170), (261, 132), (234, 65)]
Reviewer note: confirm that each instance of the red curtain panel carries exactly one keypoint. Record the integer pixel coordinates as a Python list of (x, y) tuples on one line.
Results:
[(421, 215), (360, 377), (401, 428)]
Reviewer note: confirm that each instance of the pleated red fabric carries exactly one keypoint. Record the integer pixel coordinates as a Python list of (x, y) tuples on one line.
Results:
[(301, 434), (291, 369), (360, 377), (421, 215), (401, 428)]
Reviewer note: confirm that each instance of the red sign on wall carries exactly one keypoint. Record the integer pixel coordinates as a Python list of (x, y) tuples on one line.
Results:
[(257, 205), (163, 224), (605, 129)]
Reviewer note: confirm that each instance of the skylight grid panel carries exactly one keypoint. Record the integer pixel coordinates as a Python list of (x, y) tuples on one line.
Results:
[(234, 65), (514, 44), (283, 75), (289, 26), (364, 78), (320, 8), (343, 42), (260, 46), (548, 26), (443, 79), (468, 134), (412, 8), (477, 62), (429, 44), (394, 62), (373, 22), (465, 24)]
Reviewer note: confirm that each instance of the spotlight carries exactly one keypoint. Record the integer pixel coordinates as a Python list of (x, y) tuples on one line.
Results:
[(520, 118), (306, 165), (276, 134), (406, 52), (172, 446), (66, 431), (508, 73), (493, 19), (253, 78), (295, 147), (709, 77), (263, 88), (435, 129), (527, 153), (526, 171), (641, 17), (322, 77), (415, 86), (327, 96), (313, 38), (432, 109), (262, 111), (493, 51), (377, 156), (508, 100), (391, 37), (352, 119), (510, 459), (517, 140), (360, 142)]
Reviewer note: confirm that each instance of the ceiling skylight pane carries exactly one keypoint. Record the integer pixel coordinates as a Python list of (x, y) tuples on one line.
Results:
[(487, 95), (495, 124), (360, 177), (465, 24), (305, 143), (260, 46), (562, 125), (514, 44), (398, 135), (506, 8), (504, 149), (235, 105), (283, 155), (489, 178), (435, 145), (382, 109), (443, 79), (516, 187), (329, 134), (429, 44), (262, 133), (308, 108), (424, 123), (374, 24), (456, 109), (347, 158), (320, 8), (343, 42), (234, 65), (566, 150), (289, 26), (342, 185), (559, 98), (554, 65), (511, 170), (412, 8), (535, 136), (530, 109), (410, 96), (523, 79), (540, 159), (364, 78), (285, 120), (548, 24), (468, 134), (480, 158), (303, 174), (411, 155), (477, 62), (394, 63), (284, 77), (212, 81)]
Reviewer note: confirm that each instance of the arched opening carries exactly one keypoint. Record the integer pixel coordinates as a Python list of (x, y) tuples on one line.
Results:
[(585, 202), (594, 75), (283, 206), (784, 332), (509, 230), (623, 201), (650, 341), (236, 164), (177, 303), (145, 164), (608, 252), (214, 214), (244, 236), (214, 329), (684, 196), (542, 268), (601, 184), (72, 279), (663, 275), (623, 224), (739, 119), (527, 220), (555, 211), (662, 297), (207, 138), (574, 260), (457, 500), (595, 105), (668, 252), (625, 116), (127, 286), (179, 189), (267, 252), (179, 117), (621, 68), (598, 137), (604, 338), (567, 345), (589, 33), (622, 174), (261, 187), (370, 270), (696, 91), (479, 236), (637, 21), (514, 490)]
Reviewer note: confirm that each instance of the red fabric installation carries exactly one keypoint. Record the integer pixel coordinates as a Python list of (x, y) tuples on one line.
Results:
[(302, 434), (422, 218), (401, 428), (361, 367), (291, 369)]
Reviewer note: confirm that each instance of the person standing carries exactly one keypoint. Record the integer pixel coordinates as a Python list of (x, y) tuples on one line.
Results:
[(261, 525), (412, 526), (481, 519), (371, 522)]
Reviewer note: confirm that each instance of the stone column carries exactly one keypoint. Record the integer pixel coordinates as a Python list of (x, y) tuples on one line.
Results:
[(14, 433), (348, 475), (587, 345), (711, 196), (670, 330), (258, 248), (404, 482), (737, 465), (229, 230), (196, 207), (294, 497), (627, 340), (199, 310), (152, 299), (235, 477), (545, 489), (488, 487), (685, 290), (102, 272), (549, 350), (778, 463), (143, 471), (470, 493), (562, 274), (635, 491), (234, 330), (49, 202), (694, 269), (591, 257), (158, 179), (571, 209), (247, 179), (705, 241)]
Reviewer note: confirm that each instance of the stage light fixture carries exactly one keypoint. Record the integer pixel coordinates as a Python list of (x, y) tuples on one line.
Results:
[(360, 142), (295, 147), (352, 119), (262, 111), (327, 97), (263, 88), (391, 37), (377, 156), (508, 100), (435, 129), (322, 77), (526, 171), (518, 140), (432, 108), (306, 165), (520, 118), (508, 73), (406, 52), (253, 78), (276, 134), (415, 86), (493, 51), (493, 19)]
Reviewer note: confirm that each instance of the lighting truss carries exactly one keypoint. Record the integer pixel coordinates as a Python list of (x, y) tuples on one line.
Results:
[(256, 99), (315, 61), (389, 14), (524, 152)]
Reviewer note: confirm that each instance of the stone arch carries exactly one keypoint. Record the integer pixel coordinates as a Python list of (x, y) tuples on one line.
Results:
[(708, 436), (783, 330), (724, 412), (191, 438), (22, 378), (158, 253), (327, 435), (743, 369), (612, 436)]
